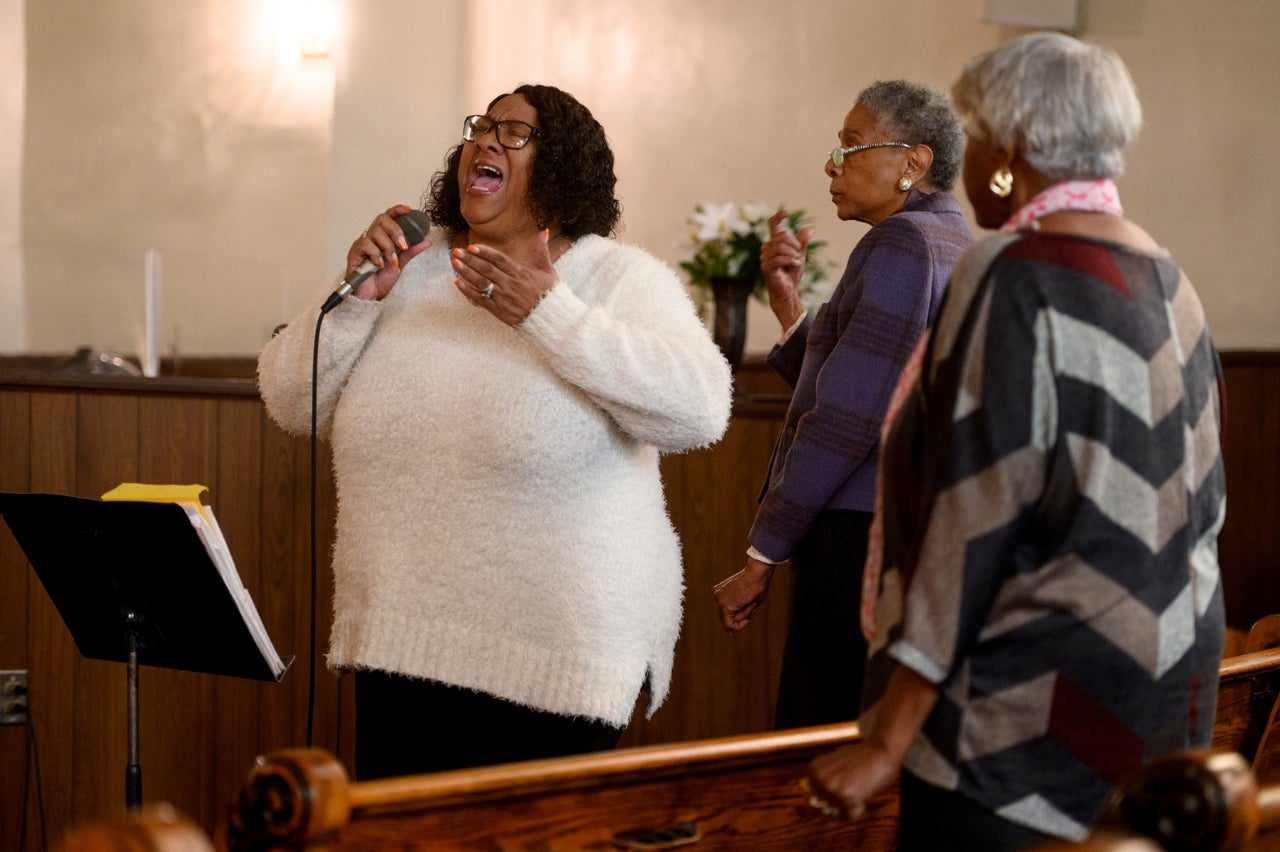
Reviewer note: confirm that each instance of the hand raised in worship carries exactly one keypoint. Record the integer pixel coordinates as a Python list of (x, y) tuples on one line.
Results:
[(383, 243), (782, 264), (739, 596), (502, 285)]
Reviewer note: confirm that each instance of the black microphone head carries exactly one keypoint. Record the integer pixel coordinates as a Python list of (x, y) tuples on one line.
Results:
[(415, 225)]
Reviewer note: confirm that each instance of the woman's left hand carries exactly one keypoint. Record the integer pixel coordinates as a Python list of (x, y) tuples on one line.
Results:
[(513, 289)]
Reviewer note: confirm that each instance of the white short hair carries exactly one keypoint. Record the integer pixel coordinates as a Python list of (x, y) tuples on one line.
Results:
[(1070, 107)]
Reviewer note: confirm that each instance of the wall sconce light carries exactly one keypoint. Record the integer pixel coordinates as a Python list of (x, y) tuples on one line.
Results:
[(314, 23)]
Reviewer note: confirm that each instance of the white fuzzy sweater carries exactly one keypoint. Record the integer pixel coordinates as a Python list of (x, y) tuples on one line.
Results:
[(501, 522)]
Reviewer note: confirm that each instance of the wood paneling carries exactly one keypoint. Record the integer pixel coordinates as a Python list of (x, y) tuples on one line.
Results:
[(722, 684), (1249, 545), (15, 642), (200, 733)]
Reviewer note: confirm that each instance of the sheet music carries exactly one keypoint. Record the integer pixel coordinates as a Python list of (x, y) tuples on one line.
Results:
[(206, 526)]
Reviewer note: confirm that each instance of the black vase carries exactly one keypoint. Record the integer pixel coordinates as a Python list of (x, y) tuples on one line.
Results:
[(730, 328)]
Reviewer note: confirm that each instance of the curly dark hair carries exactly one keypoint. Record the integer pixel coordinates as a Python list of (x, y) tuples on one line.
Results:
[(923, 116), (572, 181)]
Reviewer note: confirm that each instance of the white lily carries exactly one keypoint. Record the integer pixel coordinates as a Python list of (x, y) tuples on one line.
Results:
[(718, 221)]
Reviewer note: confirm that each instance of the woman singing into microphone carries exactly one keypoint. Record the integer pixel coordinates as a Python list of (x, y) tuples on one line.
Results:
[(506, 577)]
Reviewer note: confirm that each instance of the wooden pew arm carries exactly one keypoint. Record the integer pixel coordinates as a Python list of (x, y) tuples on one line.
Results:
[(735, 792)]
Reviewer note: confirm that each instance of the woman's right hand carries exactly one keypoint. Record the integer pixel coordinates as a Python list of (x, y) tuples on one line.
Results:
[(383, 243), (739, 596), (782, 263), (847, 778)]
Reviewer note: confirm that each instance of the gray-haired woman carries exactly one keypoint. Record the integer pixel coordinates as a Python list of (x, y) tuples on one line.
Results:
[(898, 155), (1050, 612)]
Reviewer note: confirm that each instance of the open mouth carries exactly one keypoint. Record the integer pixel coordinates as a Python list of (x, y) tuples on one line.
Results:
[(485, 179)]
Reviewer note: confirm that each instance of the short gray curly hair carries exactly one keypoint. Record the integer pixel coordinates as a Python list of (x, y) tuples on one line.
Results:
[(1070, 107), (921, 116)]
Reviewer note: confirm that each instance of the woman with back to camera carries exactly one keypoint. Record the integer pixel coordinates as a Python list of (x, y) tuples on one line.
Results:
[(506, 576), (1050, 610), (899, 154)]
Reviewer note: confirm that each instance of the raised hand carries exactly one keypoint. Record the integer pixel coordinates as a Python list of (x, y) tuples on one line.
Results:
[(782, 263)]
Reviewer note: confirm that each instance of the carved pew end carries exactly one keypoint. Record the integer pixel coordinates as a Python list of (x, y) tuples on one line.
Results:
[(1202, 800), (291, 796)]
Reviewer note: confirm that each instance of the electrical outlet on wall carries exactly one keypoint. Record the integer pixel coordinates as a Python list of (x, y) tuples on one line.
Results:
[(14, 703)]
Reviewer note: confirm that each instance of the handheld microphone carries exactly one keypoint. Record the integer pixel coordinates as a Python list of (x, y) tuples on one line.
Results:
[(415, 225)]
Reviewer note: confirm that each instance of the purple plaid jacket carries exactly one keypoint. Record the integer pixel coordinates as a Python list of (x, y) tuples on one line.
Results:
[(843, 364)]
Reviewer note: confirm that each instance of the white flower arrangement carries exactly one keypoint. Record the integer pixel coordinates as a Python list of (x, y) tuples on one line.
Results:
[(725, 241)]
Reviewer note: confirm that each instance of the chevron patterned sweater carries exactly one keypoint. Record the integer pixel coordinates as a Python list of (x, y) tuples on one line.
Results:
[(1053, 491), (501, 522)]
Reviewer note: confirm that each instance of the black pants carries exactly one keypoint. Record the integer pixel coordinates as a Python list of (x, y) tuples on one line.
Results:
[(825, 657), (937, 820), (405, 726)]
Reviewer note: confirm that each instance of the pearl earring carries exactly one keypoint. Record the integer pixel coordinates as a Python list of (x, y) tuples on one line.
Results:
[(904, 183), (1001, 182)]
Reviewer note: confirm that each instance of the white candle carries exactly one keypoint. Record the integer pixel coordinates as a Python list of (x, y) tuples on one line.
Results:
[(151, 353)]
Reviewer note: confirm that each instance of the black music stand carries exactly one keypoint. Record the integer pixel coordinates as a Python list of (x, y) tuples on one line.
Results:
[(134, 583)]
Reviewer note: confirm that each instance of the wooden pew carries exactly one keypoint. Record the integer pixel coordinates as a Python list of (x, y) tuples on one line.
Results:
[(731, 793), (1193, 801), (1245, 721), (152, 828), (1197, 801), (1264, 634), (740, 793)]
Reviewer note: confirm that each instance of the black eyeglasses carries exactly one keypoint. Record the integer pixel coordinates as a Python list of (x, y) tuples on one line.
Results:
[(838, 154), (511, 133)]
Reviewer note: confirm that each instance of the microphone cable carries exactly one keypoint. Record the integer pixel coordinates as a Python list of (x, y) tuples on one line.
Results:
[(32, 758), (311, 642)]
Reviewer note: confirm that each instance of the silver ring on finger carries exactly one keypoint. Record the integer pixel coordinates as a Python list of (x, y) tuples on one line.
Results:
[(487, 292)]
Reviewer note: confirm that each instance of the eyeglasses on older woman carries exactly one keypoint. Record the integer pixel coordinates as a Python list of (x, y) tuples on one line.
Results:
[(838, 154)]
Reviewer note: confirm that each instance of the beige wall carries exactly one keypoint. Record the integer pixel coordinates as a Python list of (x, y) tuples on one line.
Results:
[(182, 127), (398, 106), (186, 127), (12, 92), (723, 100)]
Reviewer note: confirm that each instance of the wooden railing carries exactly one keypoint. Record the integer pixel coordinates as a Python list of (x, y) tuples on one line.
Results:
[(740, 793)]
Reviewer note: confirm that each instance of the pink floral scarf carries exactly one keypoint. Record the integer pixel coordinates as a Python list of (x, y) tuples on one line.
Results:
[(1093, 196)]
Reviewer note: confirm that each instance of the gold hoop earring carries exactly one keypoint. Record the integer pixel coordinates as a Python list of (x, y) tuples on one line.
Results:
[(1001, 182), (904, 183)]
